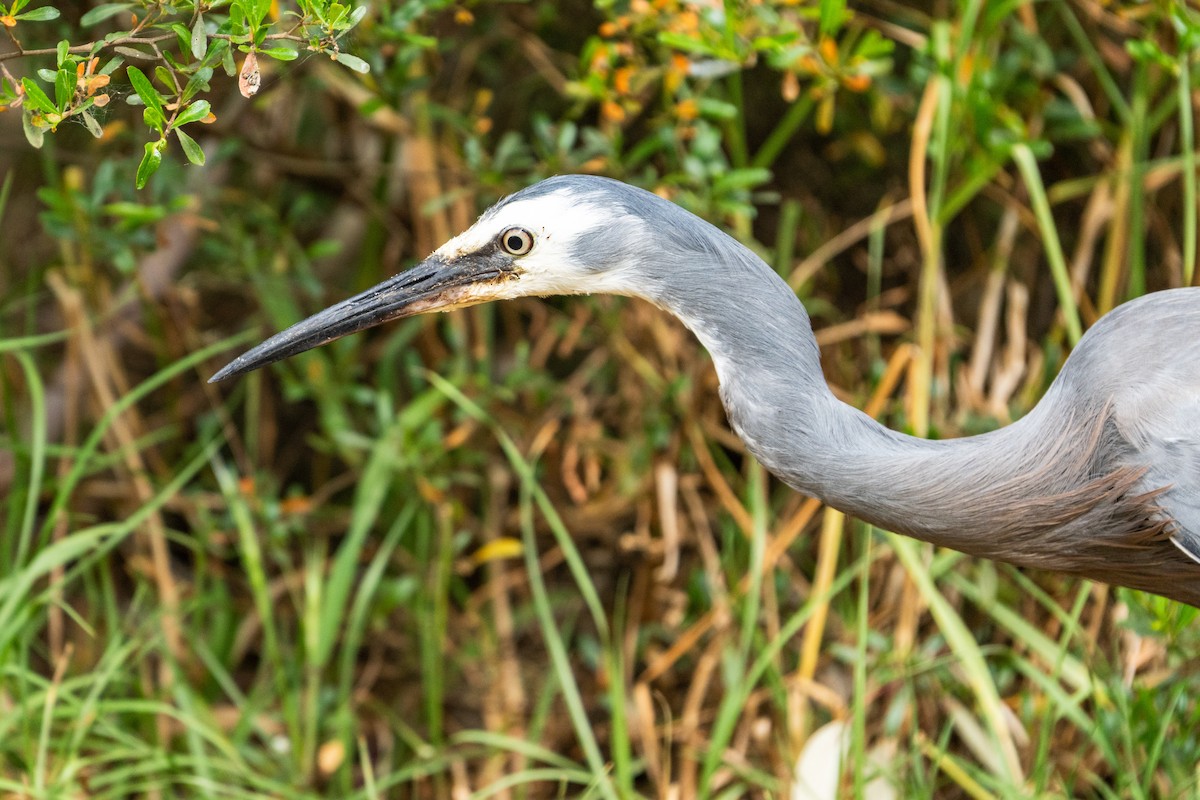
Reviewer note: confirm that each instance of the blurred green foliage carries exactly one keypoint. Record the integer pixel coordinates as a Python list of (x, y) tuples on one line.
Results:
[(432, 560)]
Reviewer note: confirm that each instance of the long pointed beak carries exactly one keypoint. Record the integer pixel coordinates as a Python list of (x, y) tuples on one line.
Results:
[(433, 285)]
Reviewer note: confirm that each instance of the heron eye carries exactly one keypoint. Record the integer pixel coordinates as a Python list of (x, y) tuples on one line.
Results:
[(516, 241)]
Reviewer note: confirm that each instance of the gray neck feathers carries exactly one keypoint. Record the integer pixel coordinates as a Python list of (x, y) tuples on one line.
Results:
[(1027, 493), (1059, 489)]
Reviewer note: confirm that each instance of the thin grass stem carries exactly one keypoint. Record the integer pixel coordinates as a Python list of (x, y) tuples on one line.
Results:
[(1027, 165)]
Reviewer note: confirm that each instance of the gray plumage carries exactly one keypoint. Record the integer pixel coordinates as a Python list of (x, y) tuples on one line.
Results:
[(1101, 479)]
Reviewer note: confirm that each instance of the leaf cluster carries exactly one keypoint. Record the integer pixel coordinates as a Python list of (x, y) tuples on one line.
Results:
[(181, 44)]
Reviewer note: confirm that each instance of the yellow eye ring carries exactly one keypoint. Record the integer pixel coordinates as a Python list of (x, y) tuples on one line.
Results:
[(516, 241)]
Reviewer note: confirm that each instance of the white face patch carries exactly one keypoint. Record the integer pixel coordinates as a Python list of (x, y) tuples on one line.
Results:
[(556, 221)]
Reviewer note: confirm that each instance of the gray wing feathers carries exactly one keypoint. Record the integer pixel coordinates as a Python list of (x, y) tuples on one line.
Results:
[(1150, 359)]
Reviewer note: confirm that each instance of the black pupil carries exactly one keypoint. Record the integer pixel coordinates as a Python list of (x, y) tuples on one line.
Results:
[(515, 241)]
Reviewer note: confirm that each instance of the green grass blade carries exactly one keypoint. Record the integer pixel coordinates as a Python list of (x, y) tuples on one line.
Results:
[(15, 588), (964, 646), (372, 490), (1027, 165), (1097, 66), (558, 650), (525, 747), (526, 472), (531, 495), (37, 456), (18, 344), (86, 452), (1068, 668), (737, 695), (1187, 146)]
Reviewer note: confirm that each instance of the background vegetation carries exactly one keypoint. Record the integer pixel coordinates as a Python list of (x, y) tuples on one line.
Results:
[(515, 551)]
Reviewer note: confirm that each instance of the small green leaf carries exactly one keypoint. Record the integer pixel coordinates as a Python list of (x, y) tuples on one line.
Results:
[(64, 50), (174, 64), (43, 14), (154, 119), (833, 15), (135, 213), (91, 124), (256, 11), (193, 113), (48, 75), (193, 151), (199, 38), (1141, 49), (746, 178), (150, 162), (353, 62), (713, 108), (102, 12), (34, 134), (163, 75), (64, 87), (216, 49), (684, 42), (280, 53), (356, 16), (132, 52), (145, 90), (35, 97), (197, 83)]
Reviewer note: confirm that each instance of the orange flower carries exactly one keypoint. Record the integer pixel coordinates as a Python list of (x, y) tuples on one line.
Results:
[(621, 80), (612, 111), (687, 110), (857, 83), (296, 505), (828, 50)]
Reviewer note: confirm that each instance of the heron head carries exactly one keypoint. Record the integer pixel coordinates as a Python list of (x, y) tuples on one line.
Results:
[(572, 234)]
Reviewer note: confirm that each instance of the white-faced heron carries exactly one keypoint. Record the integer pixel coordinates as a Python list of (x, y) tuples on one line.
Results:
[(1101, 479)]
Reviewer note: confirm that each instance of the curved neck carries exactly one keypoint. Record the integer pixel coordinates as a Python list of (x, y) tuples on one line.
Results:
[(979, 494), (1059, 489)]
